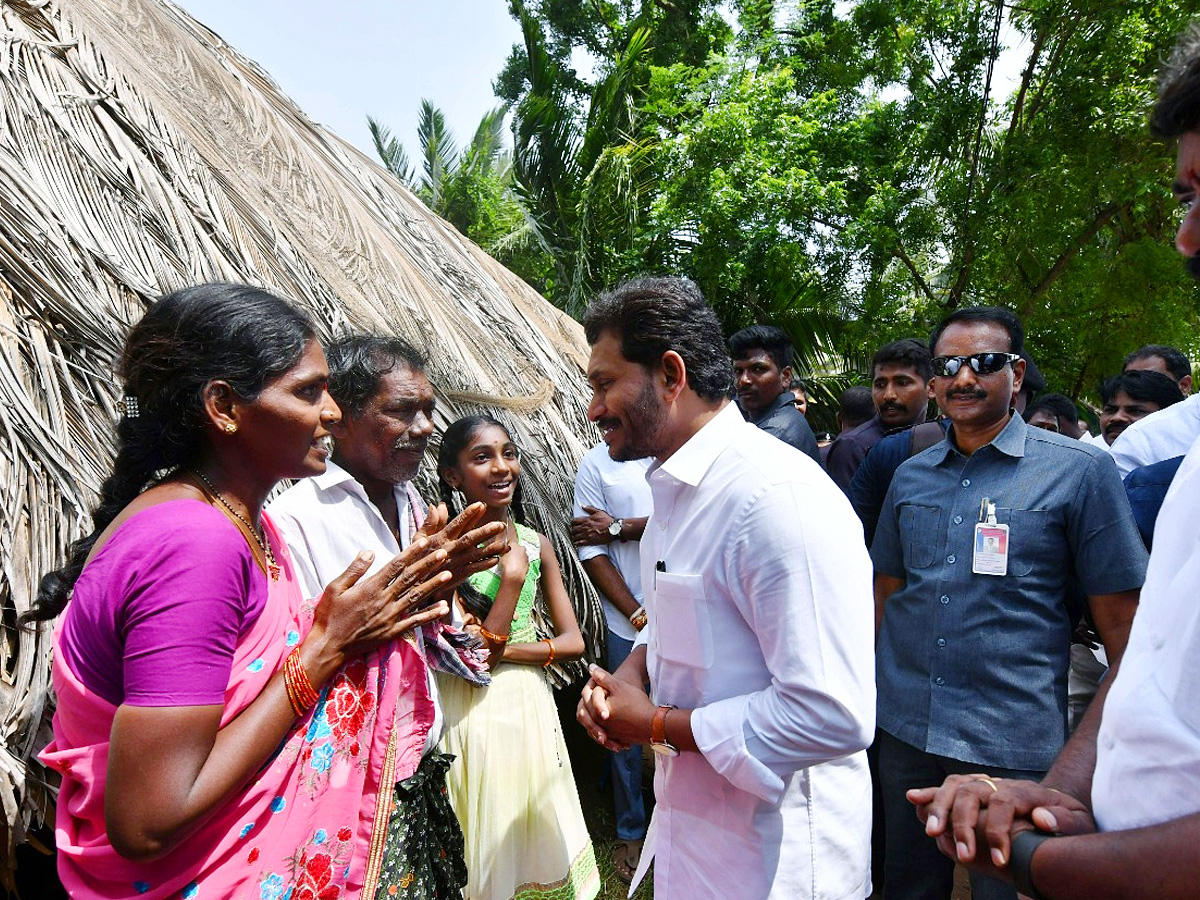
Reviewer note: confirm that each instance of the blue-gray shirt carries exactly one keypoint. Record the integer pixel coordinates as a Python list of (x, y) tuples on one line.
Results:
[(974, 667)]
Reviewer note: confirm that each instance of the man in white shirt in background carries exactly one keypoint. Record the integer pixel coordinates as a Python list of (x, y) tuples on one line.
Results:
[(612, 502), (759, 647), (1162, 435)]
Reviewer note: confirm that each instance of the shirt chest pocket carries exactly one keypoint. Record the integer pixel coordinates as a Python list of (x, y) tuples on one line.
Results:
[(681, 620), (919, 535), (1028, 540)]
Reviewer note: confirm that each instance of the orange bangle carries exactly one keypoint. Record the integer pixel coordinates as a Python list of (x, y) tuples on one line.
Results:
[(300, 691), (494, 638), (549, 642)]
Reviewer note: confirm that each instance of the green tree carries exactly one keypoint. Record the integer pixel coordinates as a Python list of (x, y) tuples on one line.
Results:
[(859, 173), (471, 187)]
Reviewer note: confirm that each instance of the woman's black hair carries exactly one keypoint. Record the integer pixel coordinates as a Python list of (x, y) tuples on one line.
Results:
[(454, 441), (238, 334)]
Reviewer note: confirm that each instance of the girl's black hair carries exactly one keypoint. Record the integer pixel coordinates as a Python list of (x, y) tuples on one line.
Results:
[(232, 332), (454, 441)]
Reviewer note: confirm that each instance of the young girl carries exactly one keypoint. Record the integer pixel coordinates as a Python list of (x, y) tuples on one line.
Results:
[(511, 784)]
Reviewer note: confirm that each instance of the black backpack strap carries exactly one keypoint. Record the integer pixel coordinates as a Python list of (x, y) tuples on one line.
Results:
[(925, 436)]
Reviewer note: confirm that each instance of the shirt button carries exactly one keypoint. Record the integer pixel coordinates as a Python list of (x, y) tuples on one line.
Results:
[(966, 482), (662, 526), (941, 642), (950, 559), (1156, 641), (939, 680), (944, 599), (958, 520)]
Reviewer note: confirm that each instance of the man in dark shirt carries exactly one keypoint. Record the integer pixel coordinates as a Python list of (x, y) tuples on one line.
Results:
[(900, 389), (762, 371)]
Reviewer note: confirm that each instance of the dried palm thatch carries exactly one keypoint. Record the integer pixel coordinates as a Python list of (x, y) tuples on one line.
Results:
[(138, 154)]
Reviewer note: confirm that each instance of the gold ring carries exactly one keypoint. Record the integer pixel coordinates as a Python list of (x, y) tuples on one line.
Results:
[(986, 781)]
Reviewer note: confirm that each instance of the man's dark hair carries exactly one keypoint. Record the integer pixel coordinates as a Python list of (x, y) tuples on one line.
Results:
[(1152, 387), (995, 314), (358, 362), (773, 341), (908, 352), (653, 315), (1178, 108), (1059, 405), (1177, 362), (857, 406)]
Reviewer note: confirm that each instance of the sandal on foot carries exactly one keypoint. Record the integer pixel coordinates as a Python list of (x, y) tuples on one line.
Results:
[(625, 858)]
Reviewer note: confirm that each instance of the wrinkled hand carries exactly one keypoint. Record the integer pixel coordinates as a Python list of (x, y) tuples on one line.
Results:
[(591, 529), (468, 549), (357, 613), (615, 713), (965, 813)]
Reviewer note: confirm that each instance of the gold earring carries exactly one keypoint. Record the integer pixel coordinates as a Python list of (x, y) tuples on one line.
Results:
[(230, 428)]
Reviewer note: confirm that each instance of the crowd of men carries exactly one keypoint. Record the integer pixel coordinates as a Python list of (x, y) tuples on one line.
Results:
[(1005, 545), (772, 612)]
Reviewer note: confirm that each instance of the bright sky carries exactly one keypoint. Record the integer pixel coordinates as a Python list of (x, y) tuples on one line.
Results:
[(341, 62)]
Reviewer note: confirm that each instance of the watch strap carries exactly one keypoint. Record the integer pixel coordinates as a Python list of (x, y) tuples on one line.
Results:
[(1024, 845), (658, 725)]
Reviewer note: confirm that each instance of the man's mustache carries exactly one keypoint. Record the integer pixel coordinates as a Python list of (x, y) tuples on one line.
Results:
[(975, 393), (410, 445)]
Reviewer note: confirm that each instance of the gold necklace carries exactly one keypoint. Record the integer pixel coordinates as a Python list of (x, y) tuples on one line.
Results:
[(270, 565)]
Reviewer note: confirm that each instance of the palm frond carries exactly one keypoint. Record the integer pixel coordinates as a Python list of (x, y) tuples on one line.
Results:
[(390, 151)]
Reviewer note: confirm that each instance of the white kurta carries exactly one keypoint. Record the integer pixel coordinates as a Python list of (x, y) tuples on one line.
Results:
[(1148, 748), (758, 586)]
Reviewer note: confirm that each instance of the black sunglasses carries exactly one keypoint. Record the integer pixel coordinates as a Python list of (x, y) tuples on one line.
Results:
[(980, 363)]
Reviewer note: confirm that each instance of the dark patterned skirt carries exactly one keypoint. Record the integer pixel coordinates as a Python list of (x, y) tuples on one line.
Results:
[(423, 853)]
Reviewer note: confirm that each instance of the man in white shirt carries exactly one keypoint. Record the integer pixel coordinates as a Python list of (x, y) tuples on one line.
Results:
[(1118, 815), (365, 501), (759, 647), (612, 502), (1161, 435)]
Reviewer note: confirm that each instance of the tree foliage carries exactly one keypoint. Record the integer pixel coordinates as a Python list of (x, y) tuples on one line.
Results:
[(471, 187), (852, 171)]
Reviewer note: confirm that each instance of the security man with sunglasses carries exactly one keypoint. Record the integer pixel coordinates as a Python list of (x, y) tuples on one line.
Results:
[(979, 543)]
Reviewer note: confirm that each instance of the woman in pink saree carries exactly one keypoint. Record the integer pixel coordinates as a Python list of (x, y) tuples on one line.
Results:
[(218, 735)]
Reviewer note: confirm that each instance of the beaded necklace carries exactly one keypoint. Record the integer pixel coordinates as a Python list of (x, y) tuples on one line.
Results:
[(268, 556)]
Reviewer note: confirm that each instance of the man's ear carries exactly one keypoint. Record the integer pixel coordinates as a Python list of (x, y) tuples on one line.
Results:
[(221, 406), (1018, 368), (1185, 384), (785, 375), (674, 373)]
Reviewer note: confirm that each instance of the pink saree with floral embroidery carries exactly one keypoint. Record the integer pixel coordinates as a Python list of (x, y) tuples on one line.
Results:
[(305, 828)]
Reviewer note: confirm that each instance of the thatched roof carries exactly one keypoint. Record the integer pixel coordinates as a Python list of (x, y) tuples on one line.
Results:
[(139, 153)]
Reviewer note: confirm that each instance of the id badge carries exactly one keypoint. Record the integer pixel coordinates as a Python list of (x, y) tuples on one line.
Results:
[(991, 549)]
